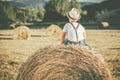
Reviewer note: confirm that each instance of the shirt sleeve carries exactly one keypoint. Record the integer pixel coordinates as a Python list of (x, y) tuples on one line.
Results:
[(83, 28), (65, 28)]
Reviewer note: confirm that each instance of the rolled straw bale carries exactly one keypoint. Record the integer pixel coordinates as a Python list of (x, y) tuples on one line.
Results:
[(63, 63), (104, 24), (21, 33), (53, 30)]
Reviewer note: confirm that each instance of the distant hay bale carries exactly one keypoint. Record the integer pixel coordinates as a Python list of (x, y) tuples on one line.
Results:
[(53, 30), (64, 63), (21, 33), (104, 25)]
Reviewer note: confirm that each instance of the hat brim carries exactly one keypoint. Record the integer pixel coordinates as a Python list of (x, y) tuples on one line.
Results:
[(71, 17)]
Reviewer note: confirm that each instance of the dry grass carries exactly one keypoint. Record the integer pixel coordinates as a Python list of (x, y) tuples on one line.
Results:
[(106, 42)]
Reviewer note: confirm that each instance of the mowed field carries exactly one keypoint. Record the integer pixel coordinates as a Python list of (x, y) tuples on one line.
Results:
[(14, 52)]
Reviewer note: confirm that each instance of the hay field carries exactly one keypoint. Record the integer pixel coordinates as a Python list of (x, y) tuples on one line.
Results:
[(14, 52)]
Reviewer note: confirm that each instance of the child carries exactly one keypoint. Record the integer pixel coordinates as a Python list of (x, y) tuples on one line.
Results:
[(74, 31)]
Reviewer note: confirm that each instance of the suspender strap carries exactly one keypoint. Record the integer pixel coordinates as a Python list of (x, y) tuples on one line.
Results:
[(75, 30)]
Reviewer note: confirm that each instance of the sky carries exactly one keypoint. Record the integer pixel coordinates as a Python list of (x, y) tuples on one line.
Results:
[(97, 1)]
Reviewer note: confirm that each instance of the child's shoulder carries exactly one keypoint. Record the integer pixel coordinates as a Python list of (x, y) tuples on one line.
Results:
[(81, 26), (67, 24)]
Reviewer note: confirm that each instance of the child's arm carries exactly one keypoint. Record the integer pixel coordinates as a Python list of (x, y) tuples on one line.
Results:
[(63, 37), (85, 35)]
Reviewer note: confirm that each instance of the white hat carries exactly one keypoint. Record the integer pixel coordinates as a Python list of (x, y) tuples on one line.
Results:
[(74, 14)]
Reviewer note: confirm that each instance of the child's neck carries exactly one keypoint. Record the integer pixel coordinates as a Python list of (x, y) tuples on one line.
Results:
[(73, 21)]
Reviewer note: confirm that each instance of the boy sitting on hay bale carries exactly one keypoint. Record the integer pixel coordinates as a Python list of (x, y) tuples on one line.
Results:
[(74, 31)]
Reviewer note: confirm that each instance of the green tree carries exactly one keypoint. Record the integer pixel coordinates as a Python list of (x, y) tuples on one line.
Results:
[(29, 13), (109, 16), (59, 6), (62, 6), (9, 11), (84, 12), (40, 13), (56, 9), (75, 4), (34, 13)]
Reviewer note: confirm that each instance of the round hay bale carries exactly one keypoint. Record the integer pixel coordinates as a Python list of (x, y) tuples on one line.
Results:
[(104, 25), (53, 30), (21, 33), (63, 63)]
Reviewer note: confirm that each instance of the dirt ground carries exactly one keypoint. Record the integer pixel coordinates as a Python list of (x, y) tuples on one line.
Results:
[(14, 52)]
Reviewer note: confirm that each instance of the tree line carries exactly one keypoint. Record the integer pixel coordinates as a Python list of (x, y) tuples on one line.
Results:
[(54, 10)]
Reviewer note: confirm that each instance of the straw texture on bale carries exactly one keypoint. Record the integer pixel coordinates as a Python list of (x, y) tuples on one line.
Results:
[(21, 33), (8, 68), (53, 30), (63, 63)]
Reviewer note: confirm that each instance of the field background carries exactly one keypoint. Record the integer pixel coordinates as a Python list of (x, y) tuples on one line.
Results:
[(15, 52)]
